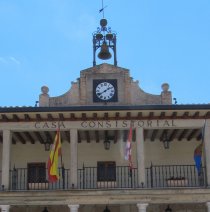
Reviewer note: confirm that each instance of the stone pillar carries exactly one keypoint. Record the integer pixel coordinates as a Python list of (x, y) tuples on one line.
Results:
[(207, 149), (140, 156), (73, 208), (44, 99), (73, 156), (4, 208), (142, 207), (6, 158), (208, 206)]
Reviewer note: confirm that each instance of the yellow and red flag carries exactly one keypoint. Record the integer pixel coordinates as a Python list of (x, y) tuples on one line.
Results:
[(52, 165)]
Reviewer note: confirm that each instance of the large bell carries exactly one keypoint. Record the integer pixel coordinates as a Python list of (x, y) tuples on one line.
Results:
[(104, 54)]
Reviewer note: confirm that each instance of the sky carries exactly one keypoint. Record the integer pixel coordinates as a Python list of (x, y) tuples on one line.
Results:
[(48, 42)]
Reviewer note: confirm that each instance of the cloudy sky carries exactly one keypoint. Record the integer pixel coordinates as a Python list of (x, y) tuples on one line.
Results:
[(48, 42)]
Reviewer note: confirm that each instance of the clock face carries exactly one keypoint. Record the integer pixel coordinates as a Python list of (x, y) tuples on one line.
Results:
[(105, 90)]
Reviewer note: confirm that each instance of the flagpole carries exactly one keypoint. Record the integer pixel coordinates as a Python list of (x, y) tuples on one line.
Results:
[(62, 164), (204, 152)]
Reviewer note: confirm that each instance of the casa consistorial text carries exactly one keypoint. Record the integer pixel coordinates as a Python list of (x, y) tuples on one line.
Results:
[(106, 124)]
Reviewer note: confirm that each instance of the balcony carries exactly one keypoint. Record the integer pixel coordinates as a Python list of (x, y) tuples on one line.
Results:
[(157, 177)]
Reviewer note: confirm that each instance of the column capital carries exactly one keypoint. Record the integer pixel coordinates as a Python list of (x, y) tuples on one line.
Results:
[(5, 208), (142, 206), (73, 208), (208, 204)]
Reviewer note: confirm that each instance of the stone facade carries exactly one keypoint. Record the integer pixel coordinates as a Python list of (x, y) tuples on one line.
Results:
[(81, 92)]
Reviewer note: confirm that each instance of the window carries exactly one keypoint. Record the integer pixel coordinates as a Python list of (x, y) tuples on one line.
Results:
[(106, 171), (36, 173)]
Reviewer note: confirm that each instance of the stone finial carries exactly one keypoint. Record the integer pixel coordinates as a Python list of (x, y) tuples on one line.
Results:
[(165, 87), (44, 97), (166, 97), (44, 90)]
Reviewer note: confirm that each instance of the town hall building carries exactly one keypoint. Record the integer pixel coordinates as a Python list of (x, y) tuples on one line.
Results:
[(96, 116)]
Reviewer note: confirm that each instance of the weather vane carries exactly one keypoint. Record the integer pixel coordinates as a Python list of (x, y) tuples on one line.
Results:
[(102, 9)]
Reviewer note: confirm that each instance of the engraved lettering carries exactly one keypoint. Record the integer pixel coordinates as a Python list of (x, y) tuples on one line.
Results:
[(45, 125), (172, 122), (92, 124), (140, 123), (61, 124), (100, 124), (108, 124), (37, 125), (54, 124), (125, 124), (84, 124), (149, 123), (166, 123)]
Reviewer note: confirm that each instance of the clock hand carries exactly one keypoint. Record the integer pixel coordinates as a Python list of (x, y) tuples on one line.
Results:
[(105, 90)]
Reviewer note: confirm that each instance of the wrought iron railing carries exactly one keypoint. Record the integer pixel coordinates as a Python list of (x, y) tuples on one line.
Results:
[(19, 180), (161, 176), (164, 176), (124, 178)]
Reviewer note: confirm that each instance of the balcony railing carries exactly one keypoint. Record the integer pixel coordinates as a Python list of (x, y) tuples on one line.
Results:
[(123, 178), (19, 180), (163, 176)]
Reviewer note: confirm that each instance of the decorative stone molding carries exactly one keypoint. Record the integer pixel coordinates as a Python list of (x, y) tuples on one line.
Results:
[(81, 91)]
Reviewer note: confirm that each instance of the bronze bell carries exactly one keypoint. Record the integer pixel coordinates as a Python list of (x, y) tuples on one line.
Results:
[(104, 54)]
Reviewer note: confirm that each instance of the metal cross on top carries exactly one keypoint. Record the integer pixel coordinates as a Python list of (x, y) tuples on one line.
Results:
[(102, 8)]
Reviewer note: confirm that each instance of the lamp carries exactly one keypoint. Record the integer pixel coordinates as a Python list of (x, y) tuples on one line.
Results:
[(165, 140), (107, 140), (106, 143), (45, 210), (168, 209), (106, 209), (47, 144)]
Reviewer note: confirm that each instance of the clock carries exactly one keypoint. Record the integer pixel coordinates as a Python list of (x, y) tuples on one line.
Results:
[(105, 90)]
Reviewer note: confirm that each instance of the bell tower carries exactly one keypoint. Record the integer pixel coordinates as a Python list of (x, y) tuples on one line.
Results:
[(104, 39)]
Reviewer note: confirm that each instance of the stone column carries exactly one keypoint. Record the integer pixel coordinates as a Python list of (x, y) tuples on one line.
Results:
[(73, 208), (4, 208), (207, 150), (208, 206), (140, 156), (142, 207), (73, 156), (6, 158)]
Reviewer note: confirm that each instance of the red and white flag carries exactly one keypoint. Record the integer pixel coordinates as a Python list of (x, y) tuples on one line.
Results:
[(128, 148)]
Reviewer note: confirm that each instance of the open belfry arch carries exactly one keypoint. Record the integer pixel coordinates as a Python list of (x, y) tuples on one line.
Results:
[(95, 117)]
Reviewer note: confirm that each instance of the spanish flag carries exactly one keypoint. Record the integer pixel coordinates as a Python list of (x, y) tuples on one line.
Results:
[(52, 164)]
